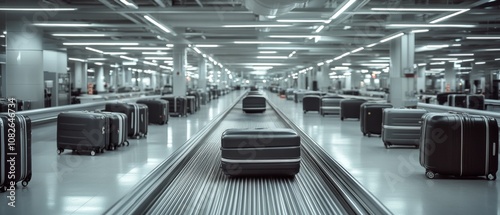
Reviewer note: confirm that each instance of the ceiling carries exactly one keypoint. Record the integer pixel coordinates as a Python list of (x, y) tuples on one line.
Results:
[(224, 24)]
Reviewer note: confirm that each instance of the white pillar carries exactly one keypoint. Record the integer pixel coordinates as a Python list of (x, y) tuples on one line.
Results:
[(99, 79), (179, 79), (421, 78), (402, 57)]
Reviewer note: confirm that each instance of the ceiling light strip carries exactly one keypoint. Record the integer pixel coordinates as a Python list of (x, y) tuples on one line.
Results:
[(341, 10), (159, 25), (449, 16)]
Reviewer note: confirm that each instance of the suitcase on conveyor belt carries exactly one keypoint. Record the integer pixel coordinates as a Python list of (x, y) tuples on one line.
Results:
[(177, 106), (118, 129), (350, 108), (254, 104), (330, 105), (442, 98), (311, 103), (371, 118), (260, 152), (459, 145), (137, 115), (15, 151), (82, 131), (191, 104), (457, 100), (197, 96), (157, 110), (401, 126)]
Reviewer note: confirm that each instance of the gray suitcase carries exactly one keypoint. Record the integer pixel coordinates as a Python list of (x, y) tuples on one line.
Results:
[(401, 126), (260, 152), (254, 104), (330, 106)]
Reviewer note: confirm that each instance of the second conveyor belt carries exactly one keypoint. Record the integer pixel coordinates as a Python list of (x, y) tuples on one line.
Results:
[(198, 186)]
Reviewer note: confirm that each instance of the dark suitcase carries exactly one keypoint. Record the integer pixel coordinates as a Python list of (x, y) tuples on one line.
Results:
[(457, 100), (157, 110), (311, 103), (177, 106), (402, 126), (475, 102), (260, 152), (118, 129), (442, 98), (350, 108), (191, 104), (137, 117), (459, 145), (82, 131), (371, 118), (143, 119), (197, 103), (254, 104), (15, 151)]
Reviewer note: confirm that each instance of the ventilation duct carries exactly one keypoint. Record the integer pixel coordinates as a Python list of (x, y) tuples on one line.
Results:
[(272, 7)]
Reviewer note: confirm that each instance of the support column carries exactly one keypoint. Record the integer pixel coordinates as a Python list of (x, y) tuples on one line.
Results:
[(402, 57), (128, 78), (202, 73), (323, 81), (115, 77), (450, 77), (348, 82), (99, 79), (80, 73), (179, 79), (302, 80), (421, 79)]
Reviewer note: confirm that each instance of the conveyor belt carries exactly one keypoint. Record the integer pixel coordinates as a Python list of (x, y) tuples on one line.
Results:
[(196, 185)]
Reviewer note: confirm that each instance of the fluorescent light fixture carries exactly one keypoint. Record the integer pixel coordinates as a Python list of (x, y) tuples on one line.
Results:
[(101, 44), (262, 42), (154, 53), (272, 57), (159, 58), (320, 64), (484, 38), (159, 25), (438, 63), (76, 59), (2, 36), (115, 53), (480, 63), (417, 9), (36, 9), (256, 26), (429, 26), (447, 59), (371, 45), (268, 52), (340, 68), (261, 67), (98, 63), (364, 71), (319, 29), (436, 46), (456, 45), (300, 20), (197, 50), (206, 45), (97, 59), (497, 58), (347, 73), (391, 37), (421, 64), (165, 67), (467, 60), (79, 35), (150, 63), (145, 48), (94, 50), (291, 54), (341, 10), (293, 36), (329, 61), (341, 56), (461, 54), (449, 16), (375, 64), (357, 50), (420, 31), (128, 58), (63, 24), (129, 4), (346, 64)]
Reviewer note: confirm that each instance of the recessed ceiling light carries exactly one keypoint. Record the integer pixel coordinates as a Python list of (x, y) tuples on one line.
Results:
[(36, 9), (145, 48), (268, 52), (418, 9), (154, 53), (461, 54), (206, 46), (63, 24), (480, 63), (484, 38), (429, 26), (261, 42), (101, 44), (256, 26), (449, 16), (300, 20)]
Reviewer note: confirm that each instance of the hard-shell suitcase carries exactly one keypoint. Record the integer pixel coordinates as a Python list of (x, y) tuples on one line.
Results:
[(350, 108), (457, 100), (177, 106), (466, 101), (459, 145), (137, 118), (15, 150), (311, 103), (157, 110), (82, 131), (371, 118), (260, 152), (197, 103), (143, 119), (475, 102), (254, 104), (402, 126), (442, 98), (118, 129), (191, 104), (330, 106)]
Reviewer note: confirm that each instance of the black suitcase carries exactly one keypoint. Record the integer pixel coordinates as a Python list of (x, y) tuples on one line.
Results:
[(475, 102), (157, 110), (311, 103), (260, 152), (197, 100), (118, 129), (371, 118), (137, 118), (459, 145), (177, 106), (254, 104), (350, 108), (457, 100), (15, 150), (82, 131), (191, 104), (442, 98)]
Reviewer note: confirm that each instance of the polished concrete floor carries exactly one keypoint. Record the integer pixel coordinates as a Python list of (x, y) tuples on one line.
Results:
[(83, 184)]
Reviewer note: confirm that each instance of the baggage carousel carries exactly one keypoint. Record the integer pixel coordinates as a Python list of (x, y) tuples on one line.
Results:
[(191, 181)]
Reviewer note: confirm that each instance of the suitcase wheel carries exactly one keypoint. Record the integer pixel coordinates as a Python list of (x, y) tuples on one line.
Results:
[(126, 142), (387, 145), (369, 135), (364, 134), (305, 112), (92, 152), (341, 118), (24, 183), (59, 151), (3, 189), (430, 174), (491, 177)]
